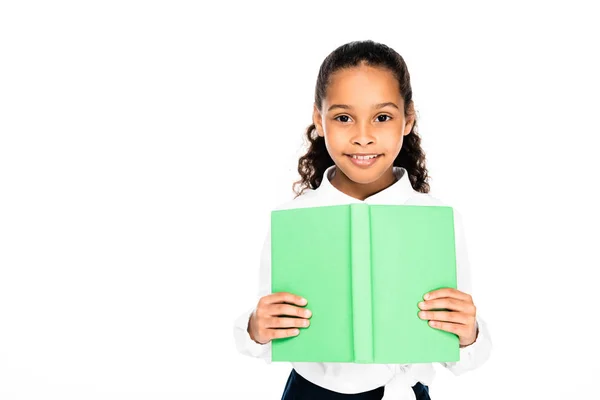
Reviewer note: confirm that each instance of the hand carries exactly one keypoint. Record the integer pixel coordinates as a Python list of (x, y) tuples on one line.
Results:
[(460, 317), (269, 321)]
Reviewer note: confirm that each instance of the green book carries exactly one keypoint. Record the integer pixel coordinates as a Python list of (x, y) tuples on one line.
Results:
[(364, 269)]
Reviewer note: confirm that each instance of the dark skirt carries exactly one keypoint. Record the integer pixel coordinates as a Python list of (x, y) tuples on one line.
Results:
[(299, 388)]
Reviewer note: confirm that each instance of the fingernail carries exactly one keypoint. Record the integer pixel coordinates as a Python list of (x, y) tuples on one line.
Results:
[(295, 331), (433, 323), (307, 313), (422, 314), (305, 322), (427, 296), (303, 301), (422, 304)]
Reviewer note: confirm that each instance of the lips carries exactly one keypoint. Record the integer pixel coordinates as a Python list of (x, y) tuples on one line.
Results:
[(363, 160)]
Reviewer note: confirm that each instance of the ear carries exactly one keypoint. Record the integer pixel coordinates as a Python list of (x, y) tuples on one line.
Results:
[(410, 119), (318, 121)]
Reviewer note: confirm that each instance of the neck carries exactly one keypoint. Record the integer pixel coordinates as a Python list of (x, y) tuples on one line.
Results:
[(361, 191)]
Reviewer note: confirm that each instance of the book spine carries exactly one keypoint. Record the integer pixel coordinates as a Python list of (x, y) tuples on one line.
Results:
[(360, 247)]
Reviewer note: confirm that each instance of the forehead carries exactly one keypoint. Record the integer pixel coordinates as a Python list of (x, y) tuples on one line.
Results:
[(363, 85)]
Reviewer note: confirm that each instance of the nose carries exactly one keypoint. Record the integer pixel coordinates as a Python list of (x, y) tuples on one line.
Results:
[(363, 137)]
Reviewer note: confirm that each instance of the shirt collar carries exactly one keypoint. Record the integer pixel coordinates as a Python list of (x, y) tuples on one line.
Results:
[(397, 193)]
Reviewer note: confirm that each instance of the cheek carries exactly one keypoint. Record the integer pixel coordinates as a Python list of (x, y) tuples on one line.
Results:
[(334, 146), (329, 129), (392, 140), (335, 139)]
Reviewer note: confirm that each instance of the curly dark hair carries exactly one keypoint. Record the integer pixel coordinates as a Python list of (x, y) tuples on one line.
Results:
[(313, 164)]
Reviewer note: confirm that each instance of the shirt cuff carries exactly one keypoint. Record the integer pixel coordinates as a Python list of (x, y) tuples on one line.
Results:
[(474, 355), (245, 344)]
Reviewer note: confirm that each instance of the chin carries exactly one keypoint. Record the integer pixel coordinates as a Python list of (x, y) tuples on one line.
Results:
[(362, 176)]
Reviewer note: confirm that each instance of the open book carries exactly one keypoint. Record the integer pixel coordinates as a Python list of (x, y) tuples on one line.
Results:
[(364, 269)]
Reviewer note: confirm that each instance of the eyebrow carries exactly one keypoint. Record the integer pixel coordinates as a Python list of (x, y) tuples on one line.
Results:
[(377, 106)]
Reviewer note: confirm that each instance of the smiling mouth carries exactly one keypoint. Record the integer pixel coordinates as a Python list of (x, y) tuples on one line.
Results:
[(363, 156), (363, 160)]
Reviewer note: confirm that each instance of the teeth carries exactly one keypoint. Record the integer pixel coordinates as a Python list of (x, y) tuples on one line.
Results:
[(364, 157)]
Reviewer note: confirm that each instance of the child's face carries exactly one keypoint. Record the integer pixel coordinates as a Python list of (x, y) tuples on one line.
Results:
[(360, 126)]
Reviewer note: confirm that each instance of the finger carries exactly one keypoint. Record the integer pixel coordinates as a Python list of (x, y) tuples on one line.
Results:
[(448, 303), (283, 333), (457, 329), (445, 316), (288, 310), (447, 292), (276, 322), (285, 297)]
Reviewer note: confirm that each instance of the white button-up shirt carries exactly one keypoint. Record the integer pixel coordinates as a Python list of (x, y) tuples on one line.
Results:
[(351, 377)]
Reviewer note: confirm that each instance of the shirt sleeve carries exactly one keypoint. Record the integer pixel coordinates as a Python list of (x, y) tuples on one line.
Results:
[(243, 342), (478, 352)]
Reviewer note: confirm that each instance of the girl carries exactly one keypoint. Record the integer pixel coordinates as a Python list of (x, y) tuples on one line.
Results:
[(364, 147)]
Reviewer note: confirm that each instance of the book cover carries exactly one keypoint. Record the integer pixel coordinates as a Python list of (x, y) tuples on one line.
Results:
[(364, 269)]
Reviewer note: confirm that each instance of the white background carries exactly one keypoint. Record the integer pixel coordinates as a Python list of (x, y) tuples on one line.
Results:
[(143, 145)]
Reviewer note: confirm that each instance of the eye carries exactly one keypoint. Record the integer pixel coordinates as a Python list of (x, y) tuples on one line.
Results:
[(342, 116), (383, 115)]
